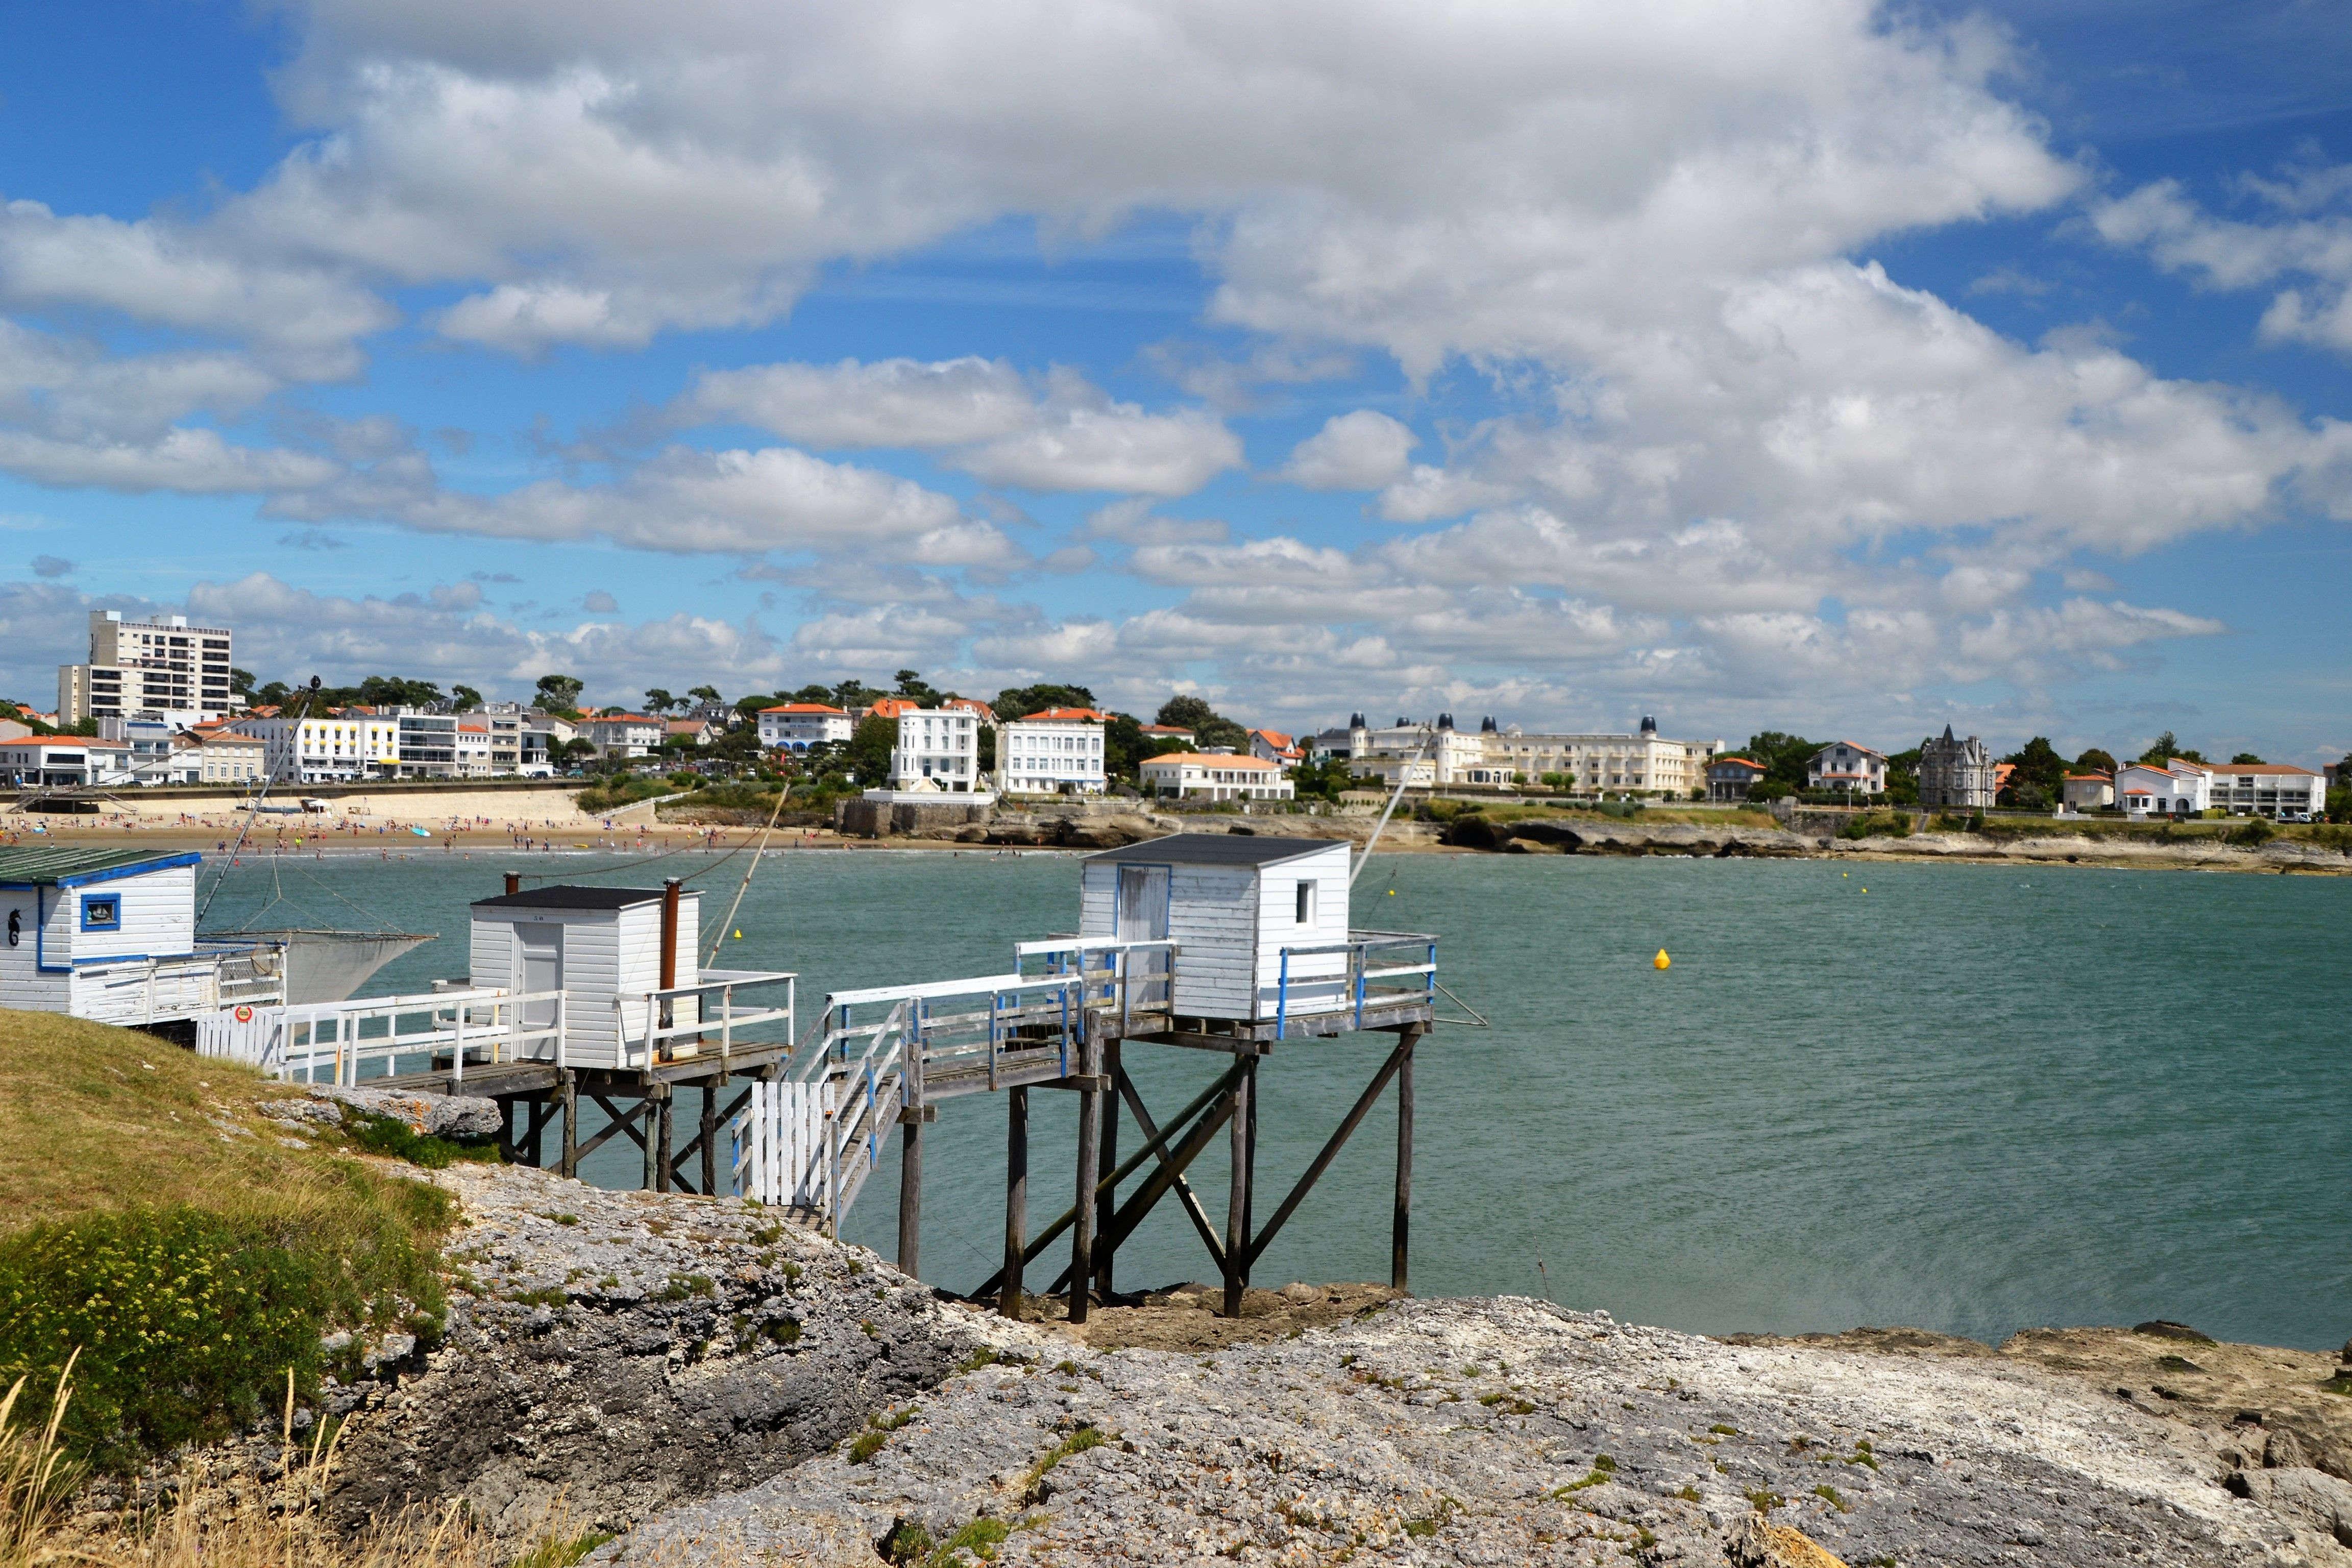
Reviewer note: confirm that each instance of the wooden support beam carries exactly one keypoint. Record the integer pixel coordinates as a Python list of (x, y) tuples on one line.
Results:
[(1194, 1209), (1082, 1243), (1401, 1228), (1016, 1200), (910, 1198), (1124, 1226), (1322, 1161), (1195, 1041), (622, 1121), (709, 1138), (1133, 1213), (1107, 1188), (1237, 1193), (571, 1166), (535, 1146)]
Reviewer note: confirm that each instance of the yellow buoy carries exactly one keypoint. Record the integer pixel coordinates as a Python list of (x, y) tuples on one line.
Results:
[(1661, 960), (739, 934)]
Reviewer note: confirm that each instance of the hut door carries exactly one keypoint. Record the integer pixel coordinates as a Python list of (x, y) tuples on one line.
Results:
[(542, 945), (1142, 903)]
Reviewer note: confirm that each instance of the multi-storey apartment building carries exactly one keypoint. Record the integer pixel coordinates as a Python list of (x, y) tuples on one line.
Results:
[(2267, 789), (1439, 754), (167, 665), (329, 747), (1057, 752)]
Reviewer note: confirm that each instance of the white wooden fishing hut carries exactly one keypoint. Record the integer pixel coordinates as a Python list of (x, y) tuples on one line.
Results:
[(1262, 922), (573, 994), (111, 935), (610, 951), (1226, 942)]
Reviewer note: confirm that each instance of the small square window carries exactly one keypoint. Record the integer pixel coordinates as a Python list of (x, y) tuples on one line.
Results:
[(101, 911)]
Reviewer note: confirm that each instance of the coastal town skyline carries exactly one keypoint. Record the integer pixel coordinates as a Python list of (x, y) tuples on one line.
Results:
[(1467, 372)]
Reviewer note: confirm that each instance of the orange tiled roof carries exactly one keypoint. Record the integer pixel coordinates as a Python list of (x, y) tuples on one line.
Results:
[(1206, 760)]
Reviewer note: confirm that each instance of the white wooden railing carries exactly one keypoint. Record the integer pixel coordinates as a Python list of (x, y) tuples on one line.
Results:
[(683, 1021), (334, 1042)]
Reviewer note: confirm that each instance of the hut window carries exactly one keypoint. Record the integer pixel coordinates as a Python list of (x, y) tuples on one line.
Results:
[(101, 911), (1306, 903)]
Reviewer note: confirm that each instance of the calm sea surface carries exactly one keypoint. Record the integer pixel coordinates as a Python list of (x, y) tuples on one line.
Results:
[(1969, 1098)]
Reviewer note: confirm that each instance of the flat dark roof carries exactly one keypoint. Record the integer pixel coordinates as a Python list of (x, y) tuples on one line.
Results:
[(566, 896), (1217, 850)]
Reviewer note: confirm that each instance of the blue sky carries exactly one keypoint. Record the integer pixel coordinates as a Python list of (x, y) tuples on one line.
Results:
[(1819, 367)]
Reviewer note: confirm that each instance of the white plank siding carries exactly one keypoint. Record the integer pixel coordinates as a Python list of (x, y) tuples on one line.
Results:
[(1213, 920), (1317, 981), (611, 958), (22, 981)]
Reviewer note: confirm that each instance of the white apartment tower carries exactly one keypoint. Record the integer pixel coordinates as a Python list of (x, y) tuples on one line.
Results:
[(1057, 752), (165, 665)]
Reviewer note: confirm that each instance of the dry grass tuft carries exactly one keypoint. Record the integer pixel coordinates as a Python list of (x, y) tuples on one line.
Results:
[(37, 1476)]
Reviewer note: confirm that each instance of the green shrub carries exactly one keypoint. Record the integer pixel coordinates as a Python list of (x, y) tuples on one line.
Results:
[(188, 1319), (2256, 832), (394, 1138)]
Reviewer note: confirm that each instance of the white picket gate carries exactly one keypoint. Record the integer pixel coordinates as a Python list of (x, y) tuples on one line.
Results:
[(779, 1147)]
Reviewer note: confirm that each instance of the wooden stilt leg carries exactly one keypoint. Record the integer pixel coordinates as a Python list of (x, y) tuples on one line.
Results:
[(1400, 1233), (1016, 1198), (667, 1125), (1107, 1198), (911, 1195), (649, 1118), (571, 1122), (1237, 1198), (1081, 1241), (709, 1140)]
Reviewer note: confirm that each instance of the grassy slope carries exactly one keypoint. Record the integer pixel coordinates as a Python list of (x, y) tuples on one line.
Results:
[(152, 1218)]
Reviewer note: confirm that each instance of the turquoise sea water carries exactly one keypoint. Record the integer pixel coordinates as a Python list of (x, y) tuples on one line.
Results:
[(1970, 1098)]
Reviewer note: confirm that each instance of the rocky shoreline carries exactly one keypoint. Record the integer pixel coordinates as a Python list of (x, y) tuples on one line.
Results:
[(707, 1383), (1474, 832)]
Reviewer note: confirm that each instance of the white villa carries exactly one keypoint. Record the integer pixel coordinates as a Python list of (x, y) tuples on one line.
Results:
[(1847, 766), (797, 727), (1057, 752), (2173, 788), (938, 749), (1198, 775)]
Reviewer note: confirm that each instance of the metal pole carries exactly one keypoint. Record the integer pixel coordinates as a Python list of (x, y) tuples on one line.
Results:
[(1016, 1198)]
